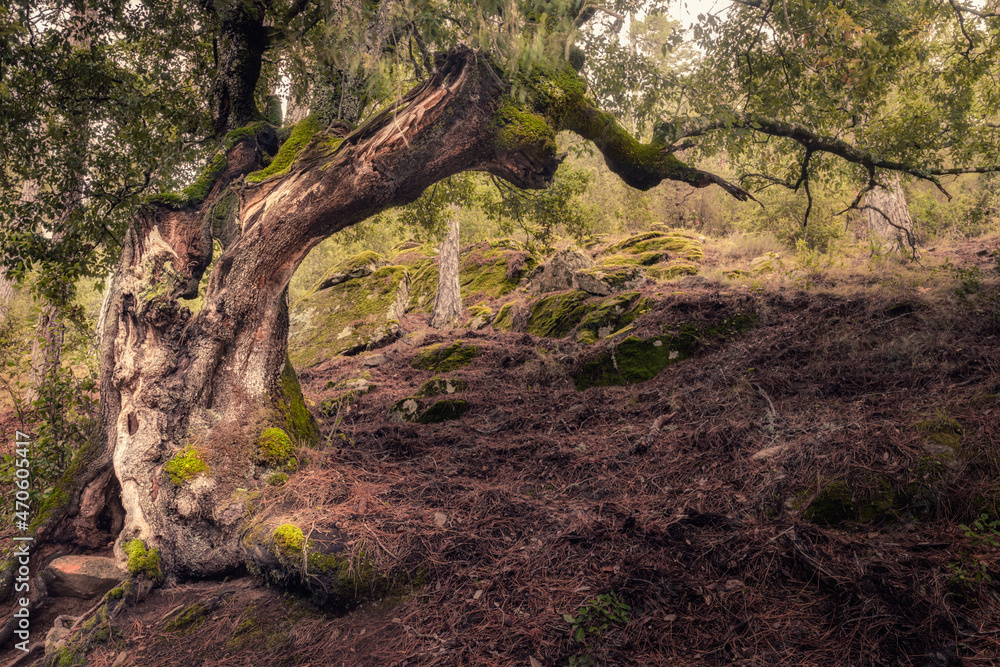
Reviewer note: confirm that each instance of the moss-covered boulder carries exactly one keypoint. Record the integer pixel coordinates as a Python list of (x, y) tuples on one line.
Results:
[(442, 358), (359, 266), (831, 506), (418, 411), (493, 269), (636, 360), (512, 316), (673, 269), (554, 316), (356, 315), (336, 577), (606, 280), (487, 270), (480, 316), (942, 436), (677, 242), (558, 272), (610, 316), (633, 360)]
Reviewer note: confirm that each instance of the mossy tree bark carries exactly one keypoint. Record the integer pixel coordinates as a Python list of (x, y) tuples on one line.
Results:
[(448, 298)]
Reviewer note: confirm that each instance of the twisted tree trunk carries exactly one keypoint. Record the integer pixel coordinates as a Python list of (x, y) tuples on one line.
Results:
[(204, 392), (196, 407)]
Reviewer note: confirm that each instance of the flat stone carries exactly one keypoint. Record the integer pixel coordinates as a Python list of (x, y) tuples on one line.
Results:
[(360, 385), (82, 576), (373, 361)]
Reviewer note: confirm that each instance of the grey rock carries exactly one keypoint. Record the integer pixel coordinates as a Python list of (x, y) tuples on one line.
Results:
[(82, 576), (373, 361), (557, 273), (56, 638), (604, 282)]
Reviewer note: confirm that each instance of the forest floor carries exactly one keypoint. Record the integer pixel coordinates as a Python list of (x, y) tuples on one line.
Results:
[(793, 494)]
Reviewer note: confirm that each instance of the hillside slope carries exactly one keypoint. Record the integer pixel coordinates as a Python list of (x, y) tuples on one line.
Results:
[(789, 489)]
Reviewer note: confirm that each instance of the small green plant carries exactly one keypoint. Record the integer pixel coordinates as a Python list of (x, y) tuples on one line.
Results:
[(983, 532), (970, 279), (594, 619), (970, 570)]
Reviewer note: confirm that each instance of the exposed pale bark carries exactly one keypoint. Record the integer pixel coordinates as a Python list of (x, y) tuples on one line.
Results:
[(6, 297), (448, 298), (887, 217)]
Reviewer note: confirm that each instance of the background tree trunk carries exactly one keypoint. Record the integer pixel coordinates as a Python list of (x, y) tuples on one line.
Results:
[(448, 299), (887, 218)]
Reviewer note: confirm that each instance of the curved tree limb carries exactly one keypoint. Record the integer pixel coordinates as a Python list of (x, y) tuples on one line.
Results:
[(814, 142), (560, 97)]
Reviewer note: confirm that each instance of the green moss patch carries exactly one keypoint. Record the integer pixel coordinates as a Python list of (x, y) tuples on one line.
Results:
[(493, 269), (423, 286), (143, 562), (554, 316), (872, 500), (673, 269), (518, 128), (675, 242), (274, 449), (831, 506), (186, 465), (442, 358), (282, 162), (444, 410), (288, 540), (291, 405), (187, 619), (277, 479), (620, 260), (611, 315), (414, 410), (348, 318), (637, 360), (942, 436)]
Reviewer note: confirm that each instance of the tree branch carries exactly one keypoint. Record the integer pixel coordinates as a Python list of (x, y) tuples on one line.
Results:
[(559, 94), (817, 143)]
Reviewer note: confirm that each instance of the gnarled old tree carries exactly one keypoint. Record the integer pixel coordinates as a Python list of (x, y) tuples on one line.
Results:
[(196, 405)]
